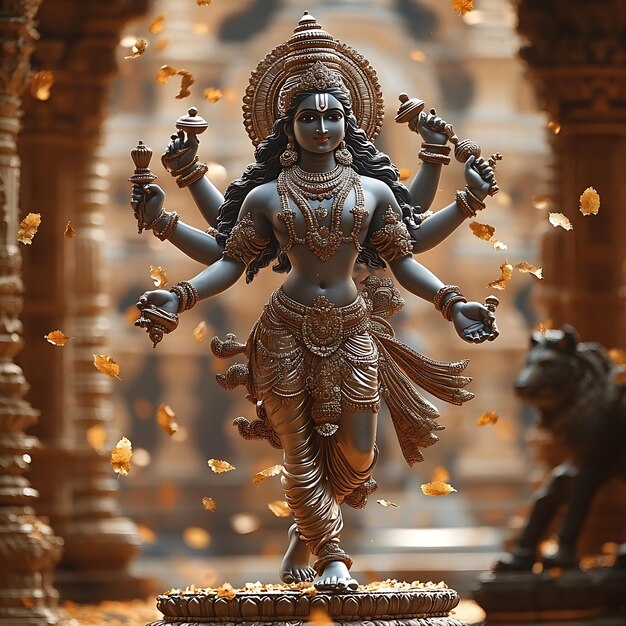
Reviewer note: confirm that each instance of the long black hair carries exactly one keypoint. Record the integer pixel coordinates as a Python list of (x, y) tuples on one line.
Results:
[(367, 161)]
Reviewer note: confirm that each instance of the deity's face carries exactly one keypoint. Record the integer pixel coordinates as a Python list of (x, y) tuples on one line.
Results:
[(319, 123)]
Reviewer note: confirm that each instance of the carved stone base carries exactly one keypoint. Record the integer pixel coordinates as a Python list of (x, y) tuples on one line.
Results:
[(395, 604), (593, 597)]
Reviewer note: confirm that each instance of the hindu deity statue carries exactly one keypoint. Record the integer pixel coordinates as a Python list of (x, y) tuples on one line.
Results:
[(319, 198)]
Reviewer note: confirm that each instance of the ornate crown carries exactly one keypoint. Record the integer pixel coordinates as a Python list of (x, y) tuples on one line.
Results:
[(310, 60)]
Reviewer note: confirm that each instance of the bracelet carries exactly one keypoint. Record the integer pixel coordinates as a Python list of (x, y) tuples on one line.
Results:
[(168, 229), (462, 201), (446, 308), (196, 174), (211, 230), (185, 168), (187, 294), (433, 157), (444, 291), (437, 148), (476, 203), (155, 220)]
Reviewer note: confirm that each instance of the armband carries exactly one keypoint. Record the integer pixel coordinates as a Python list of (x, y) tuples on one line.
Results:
[(393, 240), (244, 244)]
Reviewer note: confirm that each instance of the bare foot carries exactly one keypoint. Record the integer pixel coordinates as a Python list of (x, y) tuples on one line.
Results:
[(295, 566), (336, 577)]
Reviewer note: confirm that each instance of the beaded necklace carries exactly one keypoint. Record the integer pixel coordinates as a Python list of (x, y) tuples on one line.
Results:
[(300, 186)]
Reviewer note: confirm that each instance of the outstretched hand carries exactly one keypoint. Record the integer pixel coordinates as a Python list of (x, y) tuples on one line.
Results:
[(474, 322)]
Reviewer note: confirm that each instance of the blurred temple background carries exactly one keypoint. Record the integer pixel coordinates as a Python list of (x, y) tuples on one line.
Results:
[(74, 148)]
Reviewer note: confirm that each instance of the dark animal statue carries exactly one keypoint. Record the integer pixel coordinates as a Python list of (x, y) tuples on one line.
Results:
[(573, 387)]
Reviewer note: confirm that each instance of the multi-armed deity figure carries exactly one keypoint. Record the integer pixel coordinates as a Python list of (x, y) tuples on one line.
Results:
[(318, 199)]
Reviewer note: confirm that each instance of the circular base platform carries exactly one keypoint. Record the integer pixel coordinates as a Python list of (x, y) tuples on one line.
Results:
[(393, 604)]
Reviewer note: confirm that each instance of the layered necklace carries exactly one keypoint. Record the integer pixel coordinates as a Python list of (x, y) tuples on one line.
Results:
[(301, 187)]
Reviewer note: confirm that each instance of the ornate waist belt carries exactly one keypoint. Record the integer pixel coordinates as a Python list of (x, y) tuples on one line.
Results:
[(323, 326)]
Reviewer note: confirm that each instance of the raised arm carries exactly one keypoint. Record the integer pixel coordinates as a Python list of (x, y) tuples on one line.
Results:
[(440, 225), (180, 160), (472, 321)]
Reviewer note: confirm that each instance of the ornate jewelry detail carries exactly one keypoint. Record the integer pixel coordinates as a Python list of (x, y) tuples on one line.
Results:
[(187, 295), (169, 226), (290, 155), (311, 60), (343, 156), (393, 240), (328, 553), (301, 186), (244, 244)]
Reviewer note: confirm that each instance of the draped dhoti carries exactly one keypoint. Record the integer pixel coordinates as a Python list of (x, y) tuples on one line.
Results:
[(307, 367)]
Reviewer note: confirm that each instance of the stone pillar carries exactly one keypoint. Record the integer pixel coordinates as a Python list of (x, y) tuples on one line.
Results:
[(67, 285), (576, 53), (28, 547)]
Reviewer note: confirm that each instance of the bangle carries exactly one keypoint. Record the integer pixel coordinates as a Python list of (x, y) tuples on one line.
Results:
[(446, 308), (462, 201), (437, 148), (476, 203), (168, 229), (155, 220), (444, 291), (187, 294), (185, 168), (433, 157), (196, 174)]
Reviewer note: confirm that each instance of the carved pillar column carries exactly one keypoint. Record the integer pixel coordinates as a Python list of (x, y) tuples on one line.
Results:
[(28, 548), (68, 290), (576, 54)]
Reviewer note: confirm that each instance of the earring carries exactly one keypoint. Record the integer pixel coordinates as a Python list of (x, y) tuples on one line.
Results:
[(343, 156), (290, 156)]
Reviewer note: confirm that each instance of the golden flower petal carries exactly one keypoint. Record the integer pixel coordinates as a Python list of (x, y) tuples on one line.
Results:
[(57, 338), (164, 73), (70, 230), (96, 436), (41, 84), (386, 503), (212, 94), (482, 231), (506, 271), (440, 474), (166, 419), (159, 276), (558, 219), (208, 504), (105, 364), (489, 417), (274, 470), (226, 591), (554, 126), (220, 466), (589, 202), (462, 6), (279, 508), (157, 24), (138, 48), (196, 538), (200, 331), (186, 82), (529, 268), (121, 455), (28, 228), (405, 173), (437, 488)]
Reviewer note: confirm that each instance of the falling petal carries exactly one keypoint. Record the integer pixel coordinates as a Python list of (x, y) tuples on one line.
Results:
[(437, 488), (418, 55), (462, 6), (529, 268), (558, 219), (57, 338), (211, 94), (186, 82), (157, 24), (105, 364), (96, 437), (506, 271), (121, 455), (244, 523), (164, 73), (618, 356), (166, 419), (159, 276), (200, 331), (28, 228), (137, 49), (440, 474), (208, 504), (220, 466), (490, 417), (70, 231), (482, 231), (196, 538), (274, 470), (554, 127), (386, 503), (279, 508), (589, 202), (41, 84)]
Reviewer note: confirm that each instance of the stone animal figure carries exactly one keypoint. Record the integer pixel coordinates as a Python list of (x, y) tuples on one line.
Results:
[(571, 384)]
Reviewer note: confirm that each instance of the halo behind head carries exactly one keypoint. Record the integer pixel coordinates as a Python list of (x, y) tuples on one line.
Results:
[(311, 60)]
